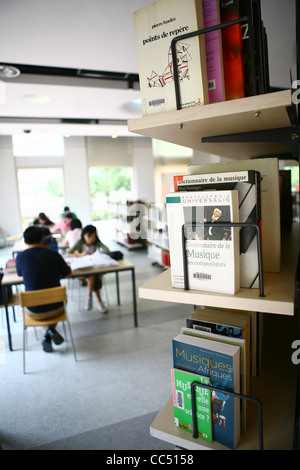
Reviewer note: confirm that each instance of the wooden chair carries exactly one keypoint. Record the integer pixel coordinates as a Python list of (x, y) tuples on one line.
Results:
[(43, 297)]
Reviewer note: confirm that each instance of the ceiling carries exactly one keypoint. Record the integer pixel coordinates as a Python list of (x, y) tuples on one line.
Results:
[(79, 73), (78, 62)]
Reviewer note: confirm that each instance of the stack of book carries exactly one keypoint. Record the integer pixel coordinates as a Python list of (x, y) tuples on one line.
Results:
[(211, 67), (206, 253), (214, 350)]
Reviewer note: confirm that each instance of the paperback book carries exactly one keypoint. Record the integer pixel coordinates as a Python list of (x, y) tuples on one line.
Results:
[(221, 363), (268, 169), (232, 51), (211, 251), (155, 27), (244, 362), (182, 403), (247, 183), (213, 47)]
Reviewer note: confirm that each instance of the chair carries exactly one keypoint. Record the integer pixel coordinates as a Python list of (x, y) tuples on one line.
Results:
[(43, 297)]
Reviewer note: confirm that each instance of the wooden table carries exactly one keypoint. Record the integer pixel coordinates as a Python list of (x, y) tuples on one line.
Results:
[(10, 279)]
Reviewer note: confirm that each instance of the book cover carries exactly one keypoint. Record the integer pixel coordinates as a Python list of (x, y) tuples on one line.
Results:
[(244, 362), (232, 51), (247, 183), (268, 169), (212, 251), (155, 27), (221, 363), (182, 403), (213, 47)]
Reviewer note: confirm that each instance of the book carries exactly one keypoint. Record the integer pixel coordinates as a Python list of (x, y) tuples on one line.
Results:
[(182, 403), (155, 27), (212, 252), (246, 9), (221, 363), (268, 169), (247, 183), (225, 322), (87, 261), (244, 362), (213, 48), (232, 51)]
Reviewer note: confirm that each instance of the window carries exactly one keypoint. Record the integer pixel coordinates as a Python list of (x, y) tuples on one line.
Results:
[(109, 186), (40, 190)]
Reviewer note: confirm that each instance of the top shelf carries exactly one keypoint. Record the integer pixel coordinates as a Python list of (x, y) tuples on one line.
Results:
[(188, 126)]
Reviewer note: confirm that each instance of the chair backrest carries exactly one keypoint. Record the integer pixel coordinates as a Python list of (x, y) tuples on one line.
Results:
[(33, 298)]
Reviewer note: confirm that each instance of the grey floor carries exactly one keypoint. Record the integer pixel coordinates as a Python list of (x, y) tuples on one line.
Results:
[(108, 399)]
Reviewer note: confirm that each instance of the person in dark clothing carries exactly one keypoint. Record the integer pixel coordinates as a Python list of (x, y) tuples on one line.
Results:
[(42, 268)]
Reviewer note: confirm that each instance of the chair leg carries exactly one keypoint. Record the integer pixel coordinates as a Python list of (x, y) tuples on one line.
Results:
[(72, 341), (24, 347)]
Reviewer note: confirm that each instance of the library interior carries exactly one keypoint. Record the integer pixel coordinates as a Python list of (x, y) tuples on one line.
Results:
[(149, 225)]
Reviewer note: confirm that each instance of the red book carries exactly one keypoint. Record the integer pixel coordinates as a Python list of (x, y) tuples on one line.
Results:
[(232, 51)]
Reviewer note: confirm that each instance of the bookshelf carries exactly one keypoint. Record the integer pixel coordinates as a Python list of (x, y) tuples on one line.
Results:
[(264, 125), (191, 127)]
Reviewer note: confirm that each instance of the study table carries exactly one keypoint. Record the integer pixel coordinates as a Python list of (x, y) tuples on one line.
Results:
[(12, 279)]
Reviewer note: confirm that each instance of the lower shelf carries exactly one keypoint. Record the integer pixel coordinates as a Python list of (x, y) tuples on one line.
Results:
[(163, 428), (275, 387)]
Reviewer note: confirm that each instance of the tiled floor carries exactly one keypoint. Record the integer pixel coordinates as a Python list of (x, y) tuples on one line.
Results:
[(108, 399)]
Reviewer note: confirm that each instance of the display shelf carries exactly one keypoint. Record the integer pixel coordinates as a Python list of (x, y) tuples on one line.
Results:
[(279, 288), (187, 127)]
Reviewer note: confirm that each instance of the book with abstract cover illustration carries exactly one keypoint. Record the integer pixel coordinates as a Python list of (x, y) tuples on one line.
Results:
[(212, 251), (155, 27), (247, 183), (182, 403), (221, 363)]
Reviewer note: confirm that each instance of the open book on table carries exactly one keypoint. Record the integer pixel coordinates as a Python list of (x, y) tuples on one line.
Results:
[(86, 261)]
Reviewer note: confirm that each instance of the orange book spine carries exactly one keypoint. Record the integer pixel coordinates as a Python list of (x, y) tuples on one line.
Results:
[(232, 51)]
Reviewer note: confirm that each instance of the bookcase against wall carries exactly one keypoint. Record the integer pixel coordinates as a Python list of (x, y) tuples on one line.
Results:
[(257, 126)]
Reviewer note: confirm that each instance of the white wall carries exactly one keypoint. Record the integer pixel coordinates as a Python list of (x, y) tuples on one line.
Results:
[(10, 216), (80, 153)]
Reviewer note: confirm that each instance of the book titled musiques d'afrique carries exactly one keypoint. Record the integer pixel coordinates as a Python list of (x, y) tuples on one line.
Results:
[(221, 363), (211, 250), (155, 27)]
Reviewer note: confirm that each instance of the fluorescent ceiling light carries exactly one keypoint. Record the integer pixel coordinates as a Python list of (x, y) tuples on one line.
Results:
[(39, 99)]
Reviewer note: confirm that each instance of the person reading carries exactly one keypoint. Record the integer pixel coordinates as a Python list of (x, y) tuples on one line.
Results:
[(88, 243), (42, 268)]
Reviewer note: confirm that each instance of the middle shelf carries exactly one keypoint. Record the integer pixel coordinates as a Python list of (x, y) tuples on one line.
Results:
[(279, 287)]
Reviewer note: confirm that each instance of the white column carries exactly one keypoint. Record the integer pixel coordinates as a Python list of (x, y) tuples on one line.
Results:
[(77, 193), (143, 169)]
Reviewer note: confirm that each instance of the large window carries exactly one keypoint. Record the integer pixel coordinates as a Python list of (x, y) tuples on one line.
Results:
[(41, 190), (109, 186)]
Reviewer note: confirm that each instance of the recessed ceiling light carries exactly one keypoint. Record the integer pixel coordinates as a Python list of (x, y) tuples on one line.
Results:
[(8, 71), (40, 99)]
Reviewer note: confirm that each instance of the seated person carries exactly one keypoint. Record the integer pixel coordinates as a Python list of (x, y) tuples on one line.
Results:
[(88, 243), (43, 220), (74, 234), (42, 268), (64, 225)]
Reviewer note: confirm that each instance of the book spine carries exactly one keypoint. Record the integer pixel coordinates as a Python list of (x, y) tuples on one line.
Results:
[(232, 51), (245, 9), (213, 47)]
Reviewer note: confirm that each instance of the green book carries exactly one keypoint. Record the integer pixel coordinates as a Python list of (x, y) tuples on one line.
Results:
[(182, 403)]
